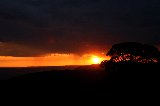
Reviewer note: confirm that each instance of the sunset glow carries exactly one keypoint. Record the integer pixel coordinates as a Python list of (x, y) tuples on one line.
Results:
[(73, 32), (96, 60), (51, 60)]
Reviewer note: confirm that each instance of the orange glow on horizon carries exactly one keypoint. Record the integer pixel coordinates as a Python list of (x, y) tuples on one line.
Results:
[(50, 60), (96, 60)]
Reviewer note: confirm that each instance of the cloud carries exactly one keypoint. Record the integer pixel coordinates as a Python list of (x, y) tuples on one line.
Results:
[(36, 27), (11, 49)]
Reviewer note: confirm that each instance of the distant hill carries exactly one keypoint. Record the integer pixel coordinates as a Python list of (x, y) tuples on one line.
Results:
[(94, 67), (7, 73)]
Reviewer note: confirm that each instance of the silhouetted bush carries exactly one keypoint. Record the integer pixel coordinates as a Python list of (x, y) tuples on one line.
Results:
[(134, 52), (131, 53)]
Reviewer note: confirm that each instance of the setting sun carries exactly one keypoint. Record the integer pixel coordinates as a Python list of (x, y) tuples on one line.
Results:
[(96, 60)]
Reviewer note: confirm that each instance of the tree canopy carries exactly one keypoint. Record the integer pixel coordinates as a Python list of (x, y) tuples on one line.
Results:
[(134, 52)]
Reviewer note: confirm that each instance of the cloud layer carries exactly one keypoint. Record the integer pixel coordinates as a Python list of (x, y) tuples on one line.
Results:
[(37, 27)]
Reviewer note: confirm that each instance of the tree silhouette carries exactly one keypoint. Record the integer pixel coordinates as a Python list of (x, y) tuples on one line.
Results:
[(103, 63), (134, 52)]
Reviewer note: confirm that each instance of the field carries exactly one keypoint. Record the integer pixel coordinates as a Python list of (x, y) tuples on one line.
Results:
[(129, 79), (15, 72)]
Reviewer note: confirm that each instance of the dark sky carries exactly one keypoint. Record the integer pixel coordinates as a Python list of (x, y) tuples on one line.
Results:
[(37, 27)]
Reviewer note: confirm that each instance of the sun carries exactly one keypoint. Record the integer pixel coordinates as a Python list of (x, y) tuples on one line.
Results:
[(96, 60)]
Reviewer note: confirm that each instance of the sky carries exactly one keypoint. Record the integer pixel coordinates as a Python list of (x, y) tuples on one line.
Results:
[(38, 28)]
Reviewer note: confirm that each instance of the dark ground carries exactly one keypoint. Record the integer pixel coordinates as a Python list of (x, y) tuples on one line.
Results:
[(123, 79), (20, 72)]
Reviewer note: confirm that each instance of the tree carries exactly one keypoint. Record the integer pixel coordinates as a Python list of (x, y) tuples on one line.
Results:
[(134, 52), (103, 63)]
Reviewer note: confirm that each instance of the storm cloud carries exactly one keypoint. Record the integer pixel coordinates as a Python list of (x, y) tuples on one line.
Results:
[(37, 27)]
